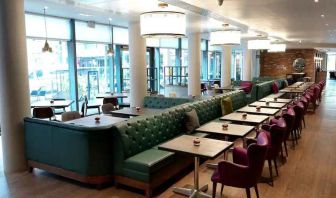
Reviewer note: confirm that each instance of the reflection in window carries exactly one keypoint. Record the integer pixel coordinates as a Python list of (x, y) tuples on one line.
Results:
[(237, 64), (214, 65), (94, 71), (48, 72)]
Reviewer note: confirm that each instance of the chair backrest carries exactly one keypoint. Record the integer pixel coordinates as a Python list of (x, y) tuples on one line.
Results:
[(111, 100), (107, 108), (70, 115), (43, 112), (289, 116), (277, 131), (257, 154)]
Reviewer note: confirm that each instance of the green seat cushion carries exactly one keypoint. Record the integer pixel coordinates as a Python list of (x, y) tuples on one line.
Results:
[(226, 105), (149, 160)]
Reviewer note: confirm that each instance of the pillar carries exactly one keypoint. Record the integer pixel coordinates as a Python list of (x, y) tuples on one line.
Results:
[(14, 84), (247, 75), (138, 73), (226, 66), (194, 67)]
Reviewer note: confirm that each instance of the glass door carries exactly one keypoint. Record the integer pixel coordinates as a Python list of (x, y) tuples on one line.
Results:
[(237, 64)]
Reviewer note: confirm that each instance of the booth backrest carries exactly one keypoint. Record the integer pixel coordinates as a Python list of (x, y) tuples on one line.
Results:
[(83, 150), (156, 102), (264, 89)]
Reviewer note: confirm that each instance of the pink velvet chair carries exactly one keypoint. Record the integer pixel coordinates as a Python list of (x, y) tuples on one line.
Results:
[(246, 168)]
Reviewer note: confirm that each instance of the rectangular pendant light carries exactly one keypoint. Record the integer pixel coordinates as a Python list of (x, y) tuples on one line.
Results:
[(225, 37), (259, 44), (277, 48)]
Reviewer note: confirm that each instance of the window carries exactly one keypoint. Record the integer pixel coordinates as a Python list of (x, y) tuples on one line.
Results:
[(94, 69), (214, 65), (331, 62), (237, 64), (48, 72)]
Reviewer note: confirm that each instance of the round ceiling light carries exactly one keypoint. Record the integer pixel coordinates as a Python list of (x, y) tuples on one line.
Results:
[(163, 24), (225, 37)]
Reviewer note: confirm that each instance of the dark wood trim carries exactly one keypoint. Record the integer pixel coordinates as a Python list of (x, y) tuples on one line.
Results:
[(97, 180)]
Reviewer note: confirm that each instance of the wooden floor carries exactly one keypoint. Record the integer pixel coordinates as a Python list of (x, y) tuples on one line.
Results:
[(310, 170)]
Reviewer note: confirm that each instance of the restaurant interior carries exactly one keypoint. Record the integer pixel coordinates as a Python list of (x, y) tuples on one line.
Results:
[(167, 98)]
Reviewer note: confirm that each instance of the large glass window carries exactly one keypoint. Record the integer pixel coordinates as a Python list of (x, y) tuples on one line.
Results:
[(48, 72), (237, 64), (94, 69), (331, 64), (214, 65)]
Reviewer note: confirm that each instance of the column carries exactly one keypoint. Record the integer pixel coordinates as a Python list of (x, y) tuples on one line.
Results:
[(247, 76), (137, 53), (226, 66), (194, 61), (14, 84)]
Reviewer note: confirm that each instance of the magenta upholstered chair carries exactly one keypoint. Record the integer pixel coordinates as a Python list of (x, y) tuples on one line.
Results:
[(299, 112), (276, 131), (246, 168), (305, 102), (289, 116)]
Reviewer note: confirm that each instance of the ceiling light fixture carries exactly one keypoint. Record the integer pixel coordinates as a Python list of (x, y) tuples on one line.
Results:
[(322, 15), (316, 1), (110, 50), (162, 23), (225, 37), (46, 47), (259, 44)]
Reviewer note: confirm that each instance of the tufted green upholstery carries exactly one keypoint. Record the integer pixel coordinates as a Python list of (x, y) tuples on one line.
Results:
[(137, 139), (156, 102), (238, 100), (264, 89)]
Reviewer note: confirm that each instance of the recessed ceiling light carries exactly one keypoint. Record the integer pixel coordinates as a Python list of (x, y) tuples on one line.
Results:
[(316, 1), (85, 15), (300, 41), (327, 24), (322, 15)]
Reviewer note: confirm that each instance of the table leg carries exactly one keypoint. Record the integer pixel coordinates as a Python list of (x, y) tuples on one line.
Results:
[(196, 192)]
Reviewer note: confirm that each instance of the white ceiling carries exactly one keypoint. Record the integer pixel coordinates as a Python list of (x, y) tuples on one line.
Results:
[(292, 20)]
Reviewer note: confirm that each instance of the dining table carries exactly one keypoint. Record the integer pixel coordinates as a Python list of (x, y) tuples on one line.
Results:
[(112, 95), (250, 119), (275, 105), (128, 112), (105, 121), (52, 103), (207, 148), (260, 111), (277, 100)]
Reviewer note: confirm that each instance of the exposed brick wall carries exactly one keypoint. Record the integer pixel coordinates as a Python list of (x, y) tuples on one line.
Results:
[(280, 64)]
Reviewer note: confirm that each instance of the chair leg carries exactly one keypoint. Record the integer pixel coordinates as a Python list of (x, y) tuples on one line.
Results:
[(293, 138), (270, 171), (222, 189), (214, 186), (304, 122), (276, 166), (248, 194), (286, 148), (256, 190), (281, 152)]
